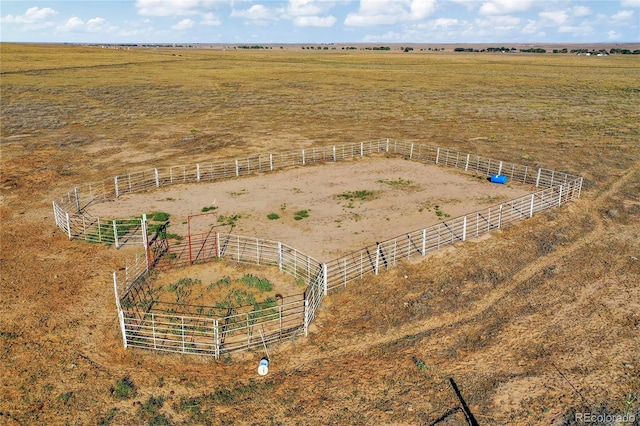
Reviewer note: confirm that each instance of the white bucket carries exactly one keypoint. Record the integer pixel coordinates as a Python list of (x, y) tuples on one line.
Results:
[(263, 367)]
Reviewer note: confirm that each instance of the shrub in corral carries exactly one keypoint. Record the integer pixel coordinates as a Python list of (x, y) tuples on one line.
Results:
[(301, 214), (160, 216)]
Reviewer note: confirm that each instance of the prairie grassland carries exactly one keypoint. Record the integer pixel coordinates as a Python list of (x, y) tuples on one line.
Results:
[(536, 324)]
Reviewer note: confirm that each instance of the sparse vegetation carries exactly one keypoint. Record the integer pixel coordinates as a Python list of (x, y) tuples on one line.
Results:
[(228, 220), (160, 216), (301, 214), (397, 182), (359, 195), (124, 388)]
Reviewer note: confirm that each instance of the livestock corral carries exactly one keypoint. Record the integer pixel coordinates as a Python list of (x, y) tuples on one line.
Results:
[(429, 284), (215, 327)]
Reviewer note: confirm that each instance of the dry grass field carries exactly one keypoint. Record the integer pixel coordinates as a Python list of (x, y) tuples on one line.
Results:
[(536, 324)]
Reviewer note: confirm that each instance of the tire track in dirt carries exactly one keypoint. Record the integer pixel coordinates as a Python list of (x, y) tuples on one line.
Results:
[(449, 320)]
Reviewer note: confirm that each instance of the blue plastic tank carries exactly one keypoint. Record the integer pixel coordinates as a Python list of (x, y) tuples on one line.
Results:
[(502, 179)]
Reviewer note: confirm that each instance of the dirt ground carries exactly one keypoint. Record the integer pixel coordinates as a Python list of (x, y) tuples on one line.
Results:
[(404, 196)]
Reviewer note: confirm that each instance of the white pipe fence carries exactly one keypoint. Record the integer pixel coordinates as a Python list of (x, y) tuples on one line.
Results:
[(214, 333), (205, 330), (81, 225)]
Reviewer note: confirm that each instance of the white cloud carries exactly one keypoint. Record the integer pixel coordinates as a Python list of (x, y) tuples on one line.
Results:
[(421, 9), (557, 17), (623, 16), (308, 7), (505, 7), (377, 12), (613, 35), (580, 11), (33, 15), (257, 12), (469, 3), (167, 7), (185, 24), (630, 3), (314, 21), (210, 19), (576, 30), (310, 13), (72, 24), (531, 27), (444, 23), (93, 25), (500, 24)]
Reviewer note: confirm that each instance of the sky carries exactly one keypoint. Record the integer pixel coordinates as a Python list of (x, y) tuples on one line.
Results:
[(320, 21)]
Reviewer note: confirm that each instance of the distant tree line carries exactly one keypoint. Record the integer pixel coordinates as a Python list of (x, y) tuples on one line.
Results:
[(255, 46), (613, 51)]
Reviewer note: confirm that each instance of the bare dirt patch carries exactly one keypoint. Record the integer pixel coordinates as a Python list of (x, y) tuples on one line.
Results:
[(348, 205)]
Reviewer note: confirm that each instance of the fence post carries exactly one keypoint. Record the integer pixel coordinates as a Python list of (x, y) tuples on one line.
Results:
[(303, 159), (464, 228), (500, 216), (466, 165), (324, 277), (424, 241), (145, 240), (75, 191), (361, 149), (387, 149), (189, 241), (531, 208), (183, 343), (237, 169), (157, 178), (437, 155), (377, 258), (68, 226), (538, 177), (115, 234), (216, 340), (217, 244), (120, 313), (153, 329), (55, 214), (306, 317), (560, 196), (580, 187), (271, 162), (279, 255), (197, 172), (115, 182), (334, 154)]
